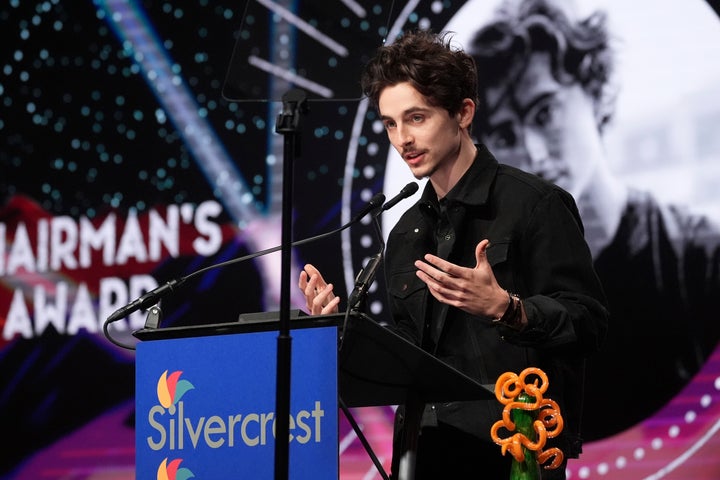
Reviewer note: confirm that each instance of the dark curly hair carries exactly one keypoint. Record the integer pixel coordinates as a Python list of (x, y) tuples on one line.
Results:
[(579, 51), (444, 75)]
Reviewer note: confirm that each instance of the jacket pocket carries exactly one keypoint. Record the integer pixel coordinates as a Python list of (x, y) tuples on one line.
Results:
[(408, 295), (497, 253), (404, 284)]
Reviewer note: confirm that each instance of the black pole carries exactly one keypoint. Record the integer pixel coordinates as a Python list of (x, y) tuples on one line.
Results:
[(288, 124)]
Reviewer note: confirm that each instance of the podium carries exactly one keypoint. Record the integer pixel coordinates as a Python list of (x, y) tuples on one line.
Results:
[(205, 402), (353, 361), (378, 367)]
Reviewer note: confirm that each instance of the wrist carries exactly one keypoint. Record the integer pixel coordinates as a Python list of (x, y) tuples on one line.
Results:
[(503, 308), (513, 315)]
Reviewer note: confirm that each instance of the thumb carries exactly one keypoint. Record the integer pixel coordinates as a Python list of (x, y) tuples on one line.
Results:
[(480, 252)]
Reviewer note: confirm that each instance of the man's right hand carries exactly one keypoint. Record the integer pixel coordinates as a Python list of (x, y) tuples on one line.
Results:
[(319, 296)]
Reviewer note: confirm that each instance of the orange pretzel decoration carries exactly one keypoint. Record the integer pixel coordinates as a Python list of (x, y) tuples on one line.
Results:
[(516, 393)]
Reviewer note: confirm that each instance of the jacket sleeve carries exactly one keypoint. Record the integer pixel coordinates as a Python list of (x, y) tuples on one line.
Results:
[(553, 272)]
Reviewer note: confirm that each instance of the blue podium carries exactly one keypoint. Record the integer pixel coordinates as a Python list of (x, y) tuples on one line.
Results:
[(205, 401)]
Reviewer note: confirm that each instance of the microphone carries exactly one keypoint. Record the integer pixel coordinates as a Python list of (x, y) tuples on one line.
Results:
[(375, 203), (148, 299), (407, 191), (364, 280), (153, 296)]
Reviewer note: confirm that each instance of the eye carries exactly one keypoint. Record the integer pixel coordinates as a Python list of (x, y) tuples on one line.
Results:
[(388, 124), (417, 118), (546, 114), (543, 116), (502, 136)]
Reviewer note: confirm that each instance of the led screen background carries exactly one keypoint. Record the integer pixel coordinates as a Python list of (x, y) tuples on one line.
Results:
[(112, 114)]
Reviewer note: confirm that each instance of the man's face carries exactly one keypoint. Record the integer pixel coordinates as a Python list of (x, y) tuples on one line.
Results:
[(544, 127), (426, 137)]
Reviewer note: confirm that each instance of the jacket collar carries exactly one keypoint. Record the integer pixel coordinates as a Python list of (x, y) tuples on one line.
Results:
[(473, 188)]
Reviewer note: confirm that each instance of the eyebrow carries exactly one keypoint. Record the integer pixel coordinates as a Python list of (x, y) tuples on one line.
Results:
[(520, 110), (539, 99), (407, 112)]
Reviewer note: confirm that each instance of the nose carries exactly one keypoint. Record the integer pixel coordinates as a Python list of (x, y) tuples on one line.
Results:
[(404, 135)]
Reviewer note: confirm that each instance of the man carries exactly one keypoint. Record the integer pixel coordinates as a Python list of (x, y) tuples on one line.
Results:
[(479, 231), (547, 97)]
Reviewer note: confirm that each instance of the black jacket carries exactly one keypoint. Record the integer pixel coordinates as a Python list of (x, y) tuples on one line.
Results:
[(537, 251)]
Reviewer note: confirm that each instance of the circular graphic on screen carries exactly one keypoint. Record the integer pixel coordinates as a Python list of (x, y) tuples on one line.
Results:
[(660, 144)]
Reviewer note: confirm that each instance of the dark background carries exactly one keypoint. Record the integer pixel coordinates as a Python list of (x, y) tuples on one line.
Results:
[(86, 131)]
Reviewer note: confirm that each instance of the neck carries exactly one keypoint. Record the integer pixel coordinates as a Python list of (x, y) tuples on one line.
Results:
[(601, 207), (449, 173)]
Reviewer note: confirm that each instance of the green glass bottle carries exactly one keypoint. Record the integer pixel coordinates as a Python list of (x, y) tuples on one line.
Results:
[(529, 469)]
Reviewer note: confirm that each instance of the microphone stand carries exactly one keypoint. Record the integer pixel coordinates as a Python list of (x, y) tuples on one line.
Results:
[(355, 307), (288, 124)]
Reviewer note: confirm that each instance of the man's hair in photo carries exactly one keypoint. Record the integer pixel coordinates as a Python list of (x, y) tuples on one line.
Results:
[(444, 75), (579, 51)]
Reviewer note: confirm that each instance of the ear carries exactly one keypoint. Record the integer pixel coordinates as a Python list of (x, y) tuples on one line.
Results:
[(467, 113)]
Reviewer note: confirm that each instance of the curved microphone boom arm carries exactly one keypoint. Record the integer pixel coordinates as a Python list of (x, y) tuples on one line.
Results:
[(152, 297), (375, 206)]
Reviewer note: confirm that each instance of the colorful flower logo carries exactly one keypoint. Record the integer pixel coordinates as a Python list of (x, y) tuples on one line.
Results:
[(170, 389), (172, 470)]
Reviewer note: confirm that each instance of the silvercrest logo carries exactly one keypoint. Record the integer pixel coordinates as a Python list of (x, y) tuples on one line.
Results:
[(177, 429)]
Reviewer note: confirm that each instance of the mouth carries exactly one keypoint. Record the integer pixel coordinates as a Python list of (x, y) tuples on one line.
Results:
[(413, 157)]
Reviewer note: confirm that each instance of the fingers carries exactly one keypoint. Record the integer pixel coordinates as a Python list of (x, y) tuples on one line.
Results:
[(442, 271), (434, 266), (303, 280), (319, 296), (310, 281), (481, 252), (311, 271), (466, 288), (323, 301), (324, 305), (447, 282), (441, 284)]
